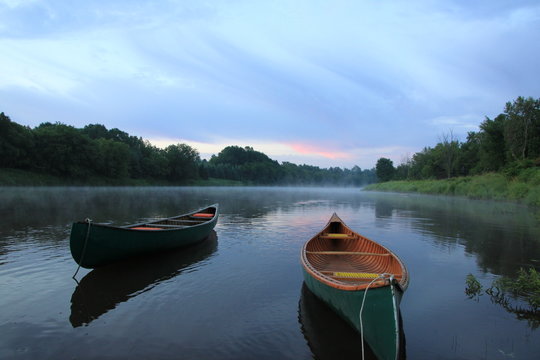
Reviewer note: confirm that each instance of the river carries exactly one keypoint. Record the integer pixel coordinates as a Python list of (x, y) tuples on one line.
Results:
[(240, 294)]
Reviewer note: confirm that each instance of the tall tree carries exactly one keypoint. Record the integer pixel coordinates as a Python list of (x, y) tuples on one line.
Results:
[(112, 158), (183, 162), (16, 144), (448, 148), (64, 151), (468, 154), (522, 128), (492, 144), (385, 169)]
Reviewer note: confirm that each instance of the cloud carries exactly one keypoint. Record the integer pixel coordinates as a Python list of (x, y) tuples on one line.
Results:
[(299, 153), (467, 122), (12, 4), (362, 78), (308, 149)]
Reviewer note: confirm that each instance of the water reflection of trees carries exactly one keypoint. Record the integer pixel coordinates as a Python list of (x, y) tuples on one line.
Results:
[(45, 214), (502, 236), (515, 306), (519, 295), (21, 208), (60, 205), (102, 289)]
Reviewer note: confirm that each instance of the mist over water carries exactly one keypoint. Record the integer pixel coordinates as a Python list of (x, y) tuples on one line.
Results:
[(239, 295)]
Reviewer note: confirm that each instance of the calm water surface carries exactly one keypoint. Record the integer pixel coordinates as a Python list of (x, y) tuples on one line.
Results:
[(240, 294)]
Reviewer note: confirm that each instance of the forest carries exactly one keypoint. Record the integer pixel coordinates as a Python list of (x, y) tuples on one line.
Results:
[(94, 151), (507, 144)]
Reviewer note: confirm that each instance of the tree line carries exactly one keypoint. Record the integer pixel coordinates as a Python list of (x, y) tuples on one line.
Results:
[(247, 164), (509, 143), (95, 151)]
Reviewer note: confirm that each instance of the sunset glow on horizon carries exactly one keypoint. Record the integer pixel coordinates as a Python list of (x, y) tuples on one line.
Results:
[(380, 79)]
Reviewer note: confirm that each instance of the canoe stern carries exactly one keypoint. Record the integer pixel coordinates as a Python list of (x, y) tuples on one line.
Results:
[(380, 315)]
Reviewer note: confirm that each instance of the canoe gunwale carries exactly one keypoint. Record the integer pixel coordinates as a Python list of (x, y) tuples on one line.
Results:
[(155, 222), (384, 280)]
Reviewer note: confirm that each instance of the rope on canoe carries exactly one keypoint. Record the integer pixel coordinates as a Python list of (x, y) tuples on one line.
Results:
[(89, 221), (379, 277)]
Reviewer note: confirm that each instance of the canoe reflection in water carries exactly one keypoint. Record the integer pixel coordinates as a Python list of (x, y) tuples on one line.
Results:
[(329, 336), (104, 288)]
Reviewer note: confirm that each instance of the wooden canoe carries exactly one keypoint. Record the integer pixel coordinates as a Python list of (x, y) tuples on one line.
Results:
[(350, 273), (93, 245)]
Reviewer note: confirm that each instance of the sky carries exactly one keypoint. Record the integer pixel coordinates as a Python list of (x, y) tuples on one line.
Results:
[(325, 83)]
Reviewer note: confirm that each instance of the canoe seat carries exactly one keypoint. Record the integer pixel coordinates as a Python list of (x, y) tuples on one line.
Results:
[(198, 221), (145, 228), (168, 226), (157, 227), (346, 253), (202, 215), (336, 236), (354, 275)]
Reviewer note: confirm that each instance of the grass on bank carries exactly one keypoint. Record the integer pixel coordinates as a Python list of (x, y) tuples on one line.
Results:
[(524, 188), (16, 177)]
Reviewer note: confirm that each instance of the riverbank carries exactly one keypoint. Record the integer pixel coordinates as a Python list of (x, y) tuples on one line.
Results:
[(523, 188), (16, 177)]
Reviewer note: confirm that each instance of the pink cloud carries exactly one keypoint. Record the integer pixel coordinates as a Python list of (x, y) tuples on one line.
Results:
[(318, 150)]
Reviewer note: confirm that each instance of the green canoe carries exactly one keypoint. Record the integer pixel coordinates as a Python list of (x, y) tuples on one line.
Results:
[(93, 245), (361, 280)]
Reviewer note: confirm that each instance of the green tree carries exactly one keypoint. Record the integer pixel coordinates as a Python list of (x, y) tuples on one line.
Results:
[(469, 154), (522, 128), (492, 144), (16, 144), (385, 169), (63, 150), (154, 163), (183, 162), (426, 165), (448, 150), (246, 164), (112, 158), (236, 155), (402, 172), (96, 131)]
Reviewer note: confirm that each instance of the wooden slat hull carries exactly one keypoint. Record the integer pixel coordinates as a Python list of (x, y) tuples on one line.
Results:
[(108, 244)]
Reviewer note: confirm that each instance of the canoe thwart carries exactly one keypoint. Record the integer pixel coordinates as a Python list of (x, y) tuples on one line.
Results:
[(202, 215), (145, 228), (330, 236), (355, 275), (345, 253), (200, 221)]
